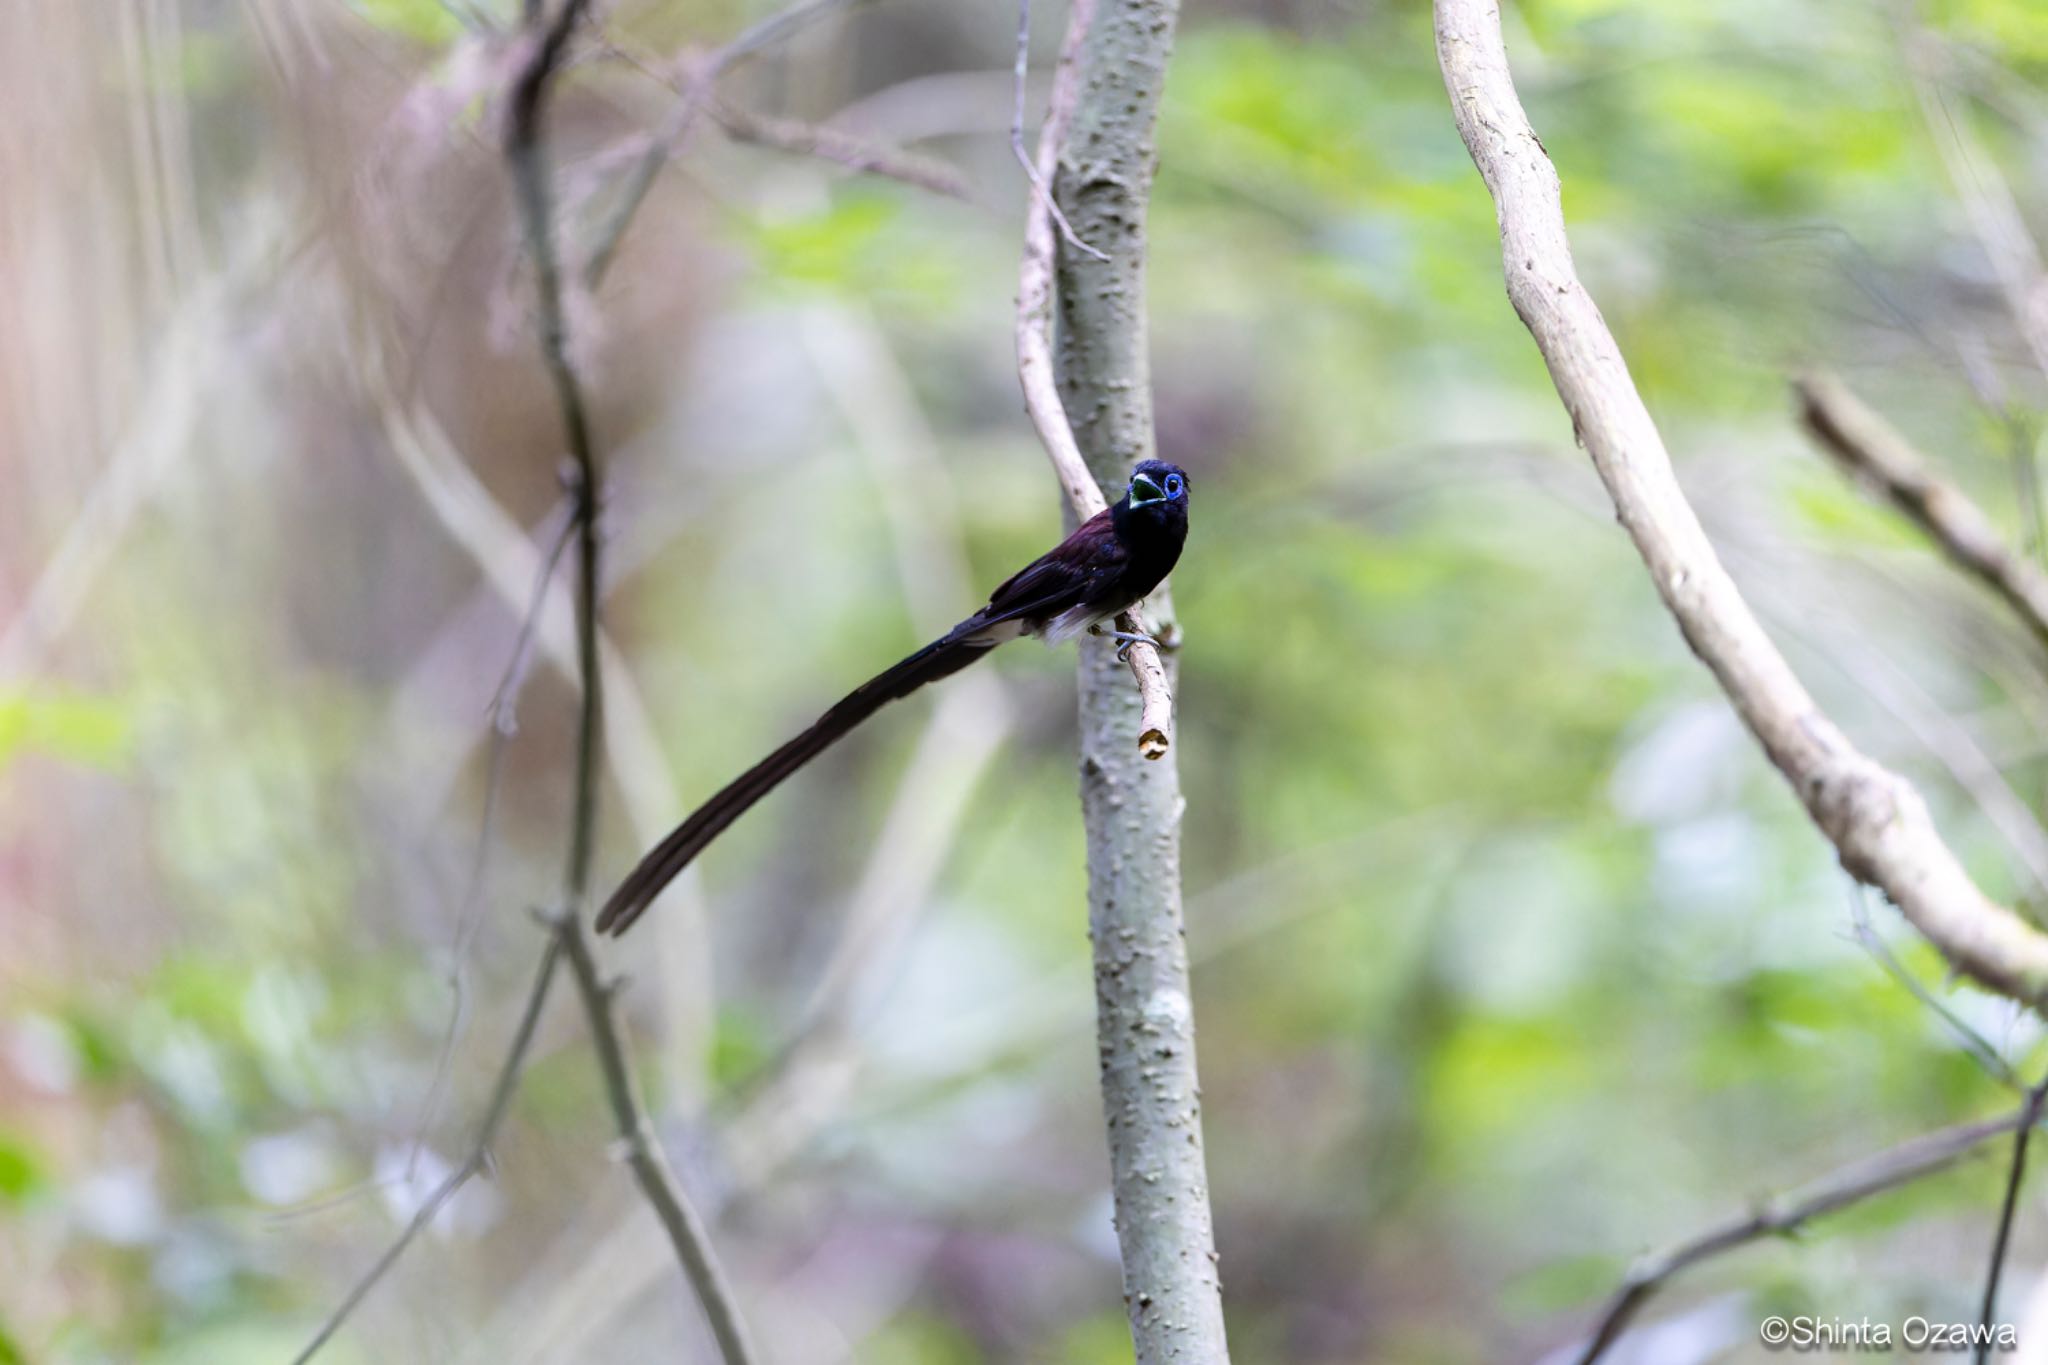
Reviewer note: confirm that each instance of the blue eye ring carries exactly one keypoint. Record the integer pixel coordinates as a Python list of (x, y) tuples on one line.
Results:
[(1173, 485)]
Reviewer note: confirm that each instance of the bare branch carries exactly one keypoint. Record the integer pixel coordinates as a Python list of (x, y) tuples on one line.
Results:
[(1035, 369), (1035, 286), (1902, 1165), (1877, 822), (1144, 1007), (468, 912), (841, 148), (825, 141), (1042, 200), (2015, 1173), (526, 152), (668, 138), (1874, 452), (644, 1154)]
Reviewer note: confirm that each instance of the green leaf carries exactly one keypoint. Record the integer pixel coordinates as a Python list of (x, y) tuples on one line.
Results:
[(425, 21), (21, 1174), (828, 247), (90, 731), (2019, 27), (740, 1047)]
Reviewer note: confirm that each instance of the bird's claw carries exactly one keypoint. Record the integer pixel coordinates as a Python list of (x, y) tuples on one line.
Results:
[(1126, 640)]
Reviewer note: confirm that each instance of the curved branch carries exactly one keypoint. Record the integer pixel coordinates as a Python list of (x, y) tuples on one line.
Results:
[(1910, 1161), (1035, 363), (1877, 822)]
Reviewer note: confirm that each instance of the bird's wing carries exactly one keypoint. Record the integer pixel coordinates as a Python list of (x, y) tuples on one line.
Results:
[(1066, 576)]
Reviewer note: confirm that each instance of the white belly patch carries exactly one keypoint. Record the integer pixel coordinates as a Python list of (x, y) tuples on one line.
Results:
[(1068, 624)]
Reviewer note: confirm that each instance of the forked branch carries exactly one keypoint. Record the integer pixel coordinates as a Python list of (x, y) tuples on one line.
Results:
[(1144, 1006), (1034, 357)]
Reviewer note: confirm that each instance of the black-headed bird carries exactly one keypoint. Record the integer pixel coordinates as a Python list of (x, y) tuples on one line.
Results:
[(1106, 567)]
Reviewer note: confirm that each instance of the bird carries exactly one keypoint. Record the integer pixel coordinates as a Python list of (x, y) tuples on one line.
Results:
[(1104, 568)]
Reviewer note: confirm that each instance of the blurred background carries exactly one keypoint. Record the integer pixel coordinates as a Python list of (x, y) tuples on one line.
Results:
[(1513, 959)]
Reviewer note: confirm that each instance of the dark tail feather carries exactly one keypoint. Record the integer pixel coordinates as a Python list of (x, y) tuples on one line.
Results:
[(939, 659)]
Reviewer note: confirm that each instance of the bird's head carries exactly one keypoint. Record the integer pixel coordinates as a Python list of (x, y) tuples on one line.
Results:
[(1155, 482)]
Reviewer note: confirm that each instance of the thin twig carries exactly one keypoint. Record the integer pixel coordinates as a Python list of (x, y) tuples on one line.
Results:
[(1852, 1184), (1035, 276), (1041, 176), (525, 150), (841, 148), (504, 702), (2029, 1116), (1035, 368), (1951, 744), (476, 1161), (509, 562), (668, 138), (821, 140), (1988, 200), (1875, 453), (1976, 1044), (503, 710), (1878, 823)]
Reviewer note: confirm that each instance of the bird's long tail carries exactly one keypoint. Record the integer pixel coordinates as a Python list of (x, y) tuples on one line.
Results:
[(941, 658)]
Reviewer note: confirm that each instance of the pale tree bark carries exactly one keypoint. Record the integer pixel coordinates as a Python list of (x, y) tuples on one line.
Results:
[(1132, 804), (1876, 820)]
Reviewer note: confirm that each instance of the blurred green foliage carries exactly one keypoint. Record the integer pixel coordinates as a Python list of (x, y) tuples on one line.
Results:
[(93, 731)]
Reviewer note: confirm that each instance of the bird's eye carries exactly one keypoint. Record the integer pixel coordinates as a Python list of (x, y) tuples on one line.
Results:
[(1173, 485)]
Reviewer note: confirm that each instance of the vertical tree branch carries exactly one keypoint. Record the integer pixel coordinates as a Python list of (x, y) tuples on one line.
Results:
[(527, 152), (525, 149), (1144, 1012), (1035, 368)]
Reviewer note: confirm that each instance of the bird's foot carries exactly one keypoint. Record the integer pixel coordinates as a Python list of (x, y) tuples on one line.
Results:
[(1126, 639)]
